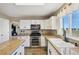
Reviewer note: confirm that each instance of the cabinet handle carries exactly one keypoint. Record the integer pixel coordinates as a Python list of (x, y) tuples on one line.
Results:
[(15, 53), (50, 51)]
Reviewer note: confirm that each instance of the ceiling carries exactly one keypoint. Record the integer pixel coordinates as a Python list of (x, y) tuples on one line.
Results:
[(13, 10)]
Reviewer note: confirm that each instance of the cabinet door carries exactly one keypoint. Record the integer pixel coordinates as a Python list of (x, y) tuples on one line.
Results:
[(51, 50), (43, 42), (4, 30), (28, 23), (0, 30), (21, 49), (53, 22), (27, 41), (42, 22), (25, 24), (16, 52), (32, 22), (37, 21), (47, 24)]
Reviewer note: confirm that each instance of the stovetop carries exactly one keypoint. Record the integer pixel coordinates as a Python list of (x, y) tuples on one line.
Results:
[(35, 33)]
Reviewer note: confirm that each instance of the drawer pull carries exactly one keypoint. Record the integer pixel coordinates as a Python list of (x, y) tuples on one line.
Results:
[(15, 53), (49, 51)]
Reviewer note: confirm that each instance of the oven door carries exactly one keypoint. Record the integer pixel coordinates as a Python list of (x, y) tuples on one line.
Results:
[(35, 41)]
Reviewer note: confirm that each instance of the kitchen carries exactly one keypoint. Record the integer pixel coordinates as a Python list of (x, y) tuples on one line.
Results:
[(39, 29)]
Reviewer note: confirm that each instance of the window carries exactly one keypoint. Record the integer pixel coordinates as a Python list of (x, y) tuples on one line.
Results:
[(75, 23), (71, 23), (66, 24)]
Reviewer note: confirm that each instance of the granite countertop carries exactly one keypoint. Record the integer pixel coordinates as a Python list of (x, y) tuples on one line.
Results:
[(10, 46)]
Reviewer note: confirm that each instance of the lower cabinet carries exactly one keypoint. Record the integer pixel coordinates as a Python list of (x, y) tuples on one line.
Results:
[(43, 41), (27, 40), (51, 50), (19, 50)]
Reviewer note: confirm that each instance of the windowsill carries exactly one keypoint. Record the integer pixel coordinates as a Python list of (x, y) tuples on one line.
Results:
[(73, 37)]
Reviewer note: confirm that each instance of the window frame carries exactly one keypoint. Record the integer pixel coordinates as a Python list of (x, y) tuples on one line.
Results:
[(70, 21)]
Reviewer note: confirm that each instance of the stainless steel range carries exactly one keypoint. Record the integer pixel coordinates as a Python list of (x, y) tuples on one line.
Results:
[(35, 35)]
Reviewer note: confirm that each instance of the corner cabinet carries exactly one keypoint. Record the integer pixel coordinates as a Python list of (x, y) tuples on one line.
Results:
[(4, 30)]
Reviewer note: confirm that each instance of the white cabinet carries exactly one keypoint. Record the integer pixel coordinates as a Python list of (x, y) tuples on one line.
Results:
[(21, 49), (51, 50), (47, 24), (36, 22), (4, 30), (32, 21), (42, 22), (53, 19), (27, 41), (25, 24), (0, 30), (43, 42)]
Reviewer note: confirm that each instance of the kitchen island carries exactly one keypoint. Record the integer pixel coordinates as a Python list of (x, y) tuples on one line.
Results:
[(9, 47)]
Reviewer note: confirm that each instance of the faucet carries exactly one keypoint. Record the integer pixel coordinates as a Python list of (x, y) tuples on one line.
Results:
[(64, 34)]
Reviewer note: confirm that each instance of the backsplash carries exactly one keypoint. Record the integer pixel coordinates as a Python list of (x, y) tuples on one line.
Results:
[(43, 32)]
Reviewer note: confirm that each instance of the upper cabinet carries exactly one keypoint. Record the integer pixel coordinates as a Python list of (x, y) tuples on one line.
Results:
[(42, 22), (25, 24), (45, 24), (53, 22)]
